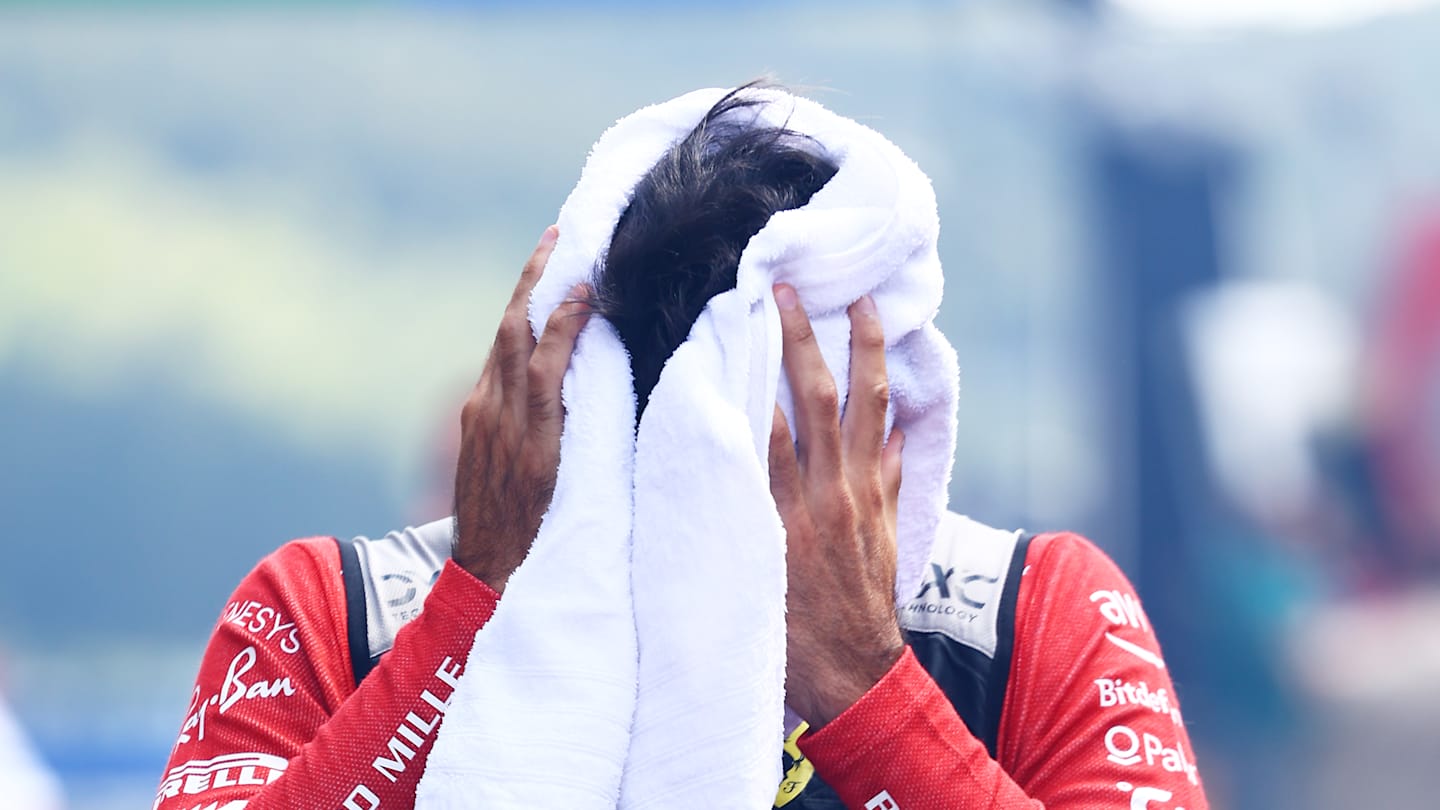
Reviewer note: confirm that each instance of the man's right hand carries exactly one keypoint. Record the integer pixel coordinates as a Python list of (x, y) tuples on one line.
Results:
[(510, 431)]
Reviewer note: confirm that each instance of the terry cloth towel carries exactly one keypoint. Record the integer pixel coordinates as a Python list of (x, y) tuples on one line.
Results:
[(637, 659)]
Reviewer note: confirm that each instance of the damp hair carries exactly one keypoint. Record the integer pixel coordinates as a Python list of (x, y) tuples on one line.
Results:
[(678, 242)]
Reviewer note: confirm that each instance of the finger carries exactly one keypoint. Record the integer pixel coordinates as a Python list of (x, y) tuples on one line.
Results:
[(490, 374), (890, 466), (817, 403), (515, 341), (552, 358), (784, 468), (534, 267), (864, 424), (474, 400), (785, 488), (484, 400)]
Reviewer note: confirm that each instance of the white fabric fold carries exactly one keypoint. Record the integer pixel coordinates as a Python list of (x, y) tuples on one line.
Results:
[(637, 658)]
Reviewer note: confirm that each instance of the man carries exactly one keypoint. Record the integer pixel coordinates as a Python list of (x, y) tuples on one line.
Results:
[(1023, 674)]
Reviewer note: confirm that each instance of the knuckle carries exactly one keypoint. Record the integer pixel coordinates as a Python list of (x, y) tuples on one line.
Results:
[(519, 325), (825, 396), (538, 374), (533, 265), (474, 404), (869, 338), (880, 393), (506, 363), (558, 319), (513, 327), (802, 331)]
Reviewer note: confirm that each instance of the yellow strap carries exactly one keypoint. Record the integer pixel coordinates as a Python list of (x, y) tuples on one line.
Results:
[(799, 774)]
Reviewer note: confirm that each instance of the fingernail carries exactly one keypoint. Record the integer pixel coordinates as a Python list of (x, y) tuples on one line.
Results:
[(785, 296), (550, 235), (865, 306)]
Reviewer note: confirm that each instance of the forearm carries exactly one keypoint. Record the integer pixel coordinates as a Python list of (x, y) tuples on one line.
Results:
[(373, 750), (1090, 718), (902, 742), (291, 751)]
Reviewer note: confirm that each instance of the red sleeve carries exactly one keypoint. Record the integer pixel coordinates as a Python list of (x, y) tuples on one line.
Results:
[(1090, 718), (275, 719)]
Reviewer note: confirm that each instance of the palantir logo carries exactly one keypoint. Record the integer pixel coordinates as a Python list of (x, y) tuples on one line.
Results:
[(1123, 745)]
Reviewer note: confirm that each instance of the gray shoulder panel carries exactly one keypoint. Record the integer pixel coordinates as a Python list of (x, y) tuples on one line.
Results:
[(960, 597), (398, 571)]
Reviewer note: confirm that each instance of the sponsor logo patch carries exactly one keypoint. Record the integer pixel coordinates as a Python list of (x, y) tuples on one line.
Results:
[(1142, 797), (881, 801), (238, 686), (1119, 692), (228, 770), (1126, 747), (264, 623), (410, 735), (1122, 610)]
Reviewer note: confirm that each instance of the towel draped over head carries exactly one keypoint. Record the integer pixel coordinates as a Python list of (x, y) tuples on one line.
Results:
[(637, 658)]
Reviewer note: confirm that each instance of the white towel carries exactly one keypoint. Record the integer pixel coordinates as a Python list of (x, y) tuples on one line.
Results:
[(637, 658)]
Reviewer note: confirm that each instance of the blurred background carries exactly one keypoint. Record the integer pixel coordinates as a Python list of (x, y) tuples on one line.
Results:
[(252, 255)]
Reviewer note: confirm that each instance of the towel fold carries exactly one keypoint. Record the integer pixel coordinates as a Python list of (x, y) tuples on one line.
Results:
[(637, 658)]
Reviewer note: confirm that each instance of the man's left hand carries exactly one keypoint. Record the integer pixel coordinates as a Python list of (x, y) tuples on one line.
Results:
[(837, 494)]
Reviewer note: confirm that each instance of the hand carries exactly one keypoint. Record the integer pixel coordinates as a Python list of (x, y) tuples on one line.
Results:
[(510, 431), (837, 498)]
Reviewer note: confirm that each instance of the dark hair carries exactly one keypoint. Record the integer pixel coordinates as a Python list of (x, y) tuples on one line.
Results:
[(678, 242)]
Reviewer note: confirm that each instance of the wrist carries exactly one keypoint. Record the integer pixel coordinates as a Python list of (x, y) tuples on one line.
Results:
[(839, 686), (490, 555), (480, 566), (487, 576)]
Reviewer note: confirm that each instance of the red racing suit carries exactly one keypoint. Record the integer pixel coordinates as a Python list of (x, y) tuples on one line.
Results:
[(1032, 679)]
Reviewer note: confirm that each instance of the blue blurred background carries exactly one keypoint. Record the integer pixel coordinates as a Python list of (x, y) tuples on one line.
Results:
[(252, 255)]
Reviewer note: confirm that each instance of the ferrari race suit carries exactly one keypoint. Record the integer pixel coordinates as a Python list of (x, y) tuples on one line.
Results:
[(1031, 679)]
